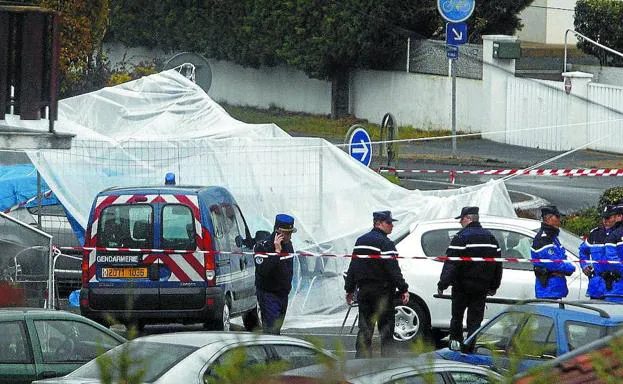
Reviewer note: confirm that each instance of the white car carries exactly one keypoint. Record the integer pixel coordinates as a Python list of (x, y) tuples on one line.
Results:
[(425, 315), (191, 357)]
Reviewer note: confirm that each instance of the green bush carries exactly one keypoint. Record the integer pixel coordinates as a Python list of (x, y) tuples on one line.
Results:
[(582, 222), (612, 195)]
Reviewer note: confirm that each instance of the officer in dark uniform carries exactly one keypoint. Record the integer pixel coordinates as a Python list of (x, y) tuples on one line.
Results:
[(613, 273), (273, 274), (376, 280), (551, 282), (471, 281), (593, 248)]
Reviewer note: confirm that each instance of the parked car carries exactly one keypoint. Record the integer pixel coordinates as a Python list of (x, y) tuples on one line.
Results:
[(550, 328), (41, 343), (208, 278), (425, 315), (397, 371), (190, 357)]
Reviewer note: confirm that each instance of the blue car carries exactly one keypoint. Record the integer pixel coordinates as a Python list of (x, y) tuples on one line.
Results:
[(550, 327)]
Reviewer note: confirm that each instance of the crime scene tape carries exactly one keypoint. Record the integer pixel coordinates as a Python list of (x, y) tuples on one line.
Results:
[(571, 172), (313, 254), (45, 194)]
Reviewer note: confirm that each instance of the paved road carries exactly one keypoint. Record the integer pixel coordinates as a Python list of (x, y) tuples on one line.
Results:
[(579, 192)]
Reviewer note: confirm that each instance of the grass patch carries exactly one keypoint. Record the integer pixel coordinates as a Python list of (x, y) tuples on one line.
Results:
[(320, 126)]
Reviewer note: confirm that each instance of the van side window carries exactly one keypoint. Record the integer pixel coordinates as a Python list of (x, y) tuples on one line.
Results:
[(218, 221), (234, 222), (125, 225), (178, 227)]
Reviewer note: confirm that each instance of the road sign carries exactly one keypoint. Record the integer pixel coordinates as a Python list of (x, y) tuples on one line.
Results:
[(452, 51), (456, 33), (567, 85), (360, 147), (455, 11)]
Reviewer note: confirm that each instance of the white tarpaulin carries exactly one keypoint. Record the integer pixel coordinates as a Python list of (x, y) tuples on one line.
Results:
[(134, 133)]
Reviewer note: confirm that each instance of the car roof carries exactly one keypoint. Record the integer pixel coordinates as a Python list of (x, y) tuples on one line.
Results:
[(159, 188), (202, 339), (519, 221), (353, 369), (21, 312), (580, 309)]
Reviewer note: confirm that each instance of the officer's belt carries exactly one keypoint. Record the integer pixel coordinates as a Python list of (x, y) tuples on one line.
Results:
[(544, 275), (610, 277)]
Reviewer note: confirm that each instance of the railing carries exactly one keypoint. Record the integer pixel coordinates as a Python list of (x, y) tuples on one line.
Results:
[(564, 68)]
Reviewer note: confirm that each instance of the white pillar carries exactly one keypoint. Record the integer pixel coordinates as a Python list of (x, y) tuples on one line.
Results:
[(575, 84)]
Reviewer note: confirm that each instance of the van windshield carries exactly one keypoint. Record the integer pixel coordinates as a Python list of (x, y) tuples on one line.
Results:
[(127, 226)]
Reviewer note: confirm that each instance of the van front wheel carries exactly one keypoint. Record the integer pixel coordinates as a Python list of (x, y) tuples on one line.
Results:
[(222, 322)]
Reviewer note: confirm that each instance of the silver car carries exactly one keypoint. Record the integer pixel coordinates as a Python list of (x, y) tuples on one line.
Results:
[(190, 357), (396, 371)]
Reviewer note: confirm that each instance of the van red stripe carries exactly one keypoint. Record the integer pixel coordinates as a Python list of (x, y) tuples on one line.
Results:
[(106, 202), (186, 201), (194, 263), (181, 275)]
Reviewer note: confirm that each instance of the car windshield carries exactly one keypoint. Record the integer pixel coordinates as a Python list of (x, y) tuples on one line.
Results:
[(144, 356), (570, 241)]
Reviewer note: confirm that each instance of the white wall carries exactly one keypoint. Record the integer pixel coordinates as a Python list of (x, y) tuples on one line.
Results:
[(545, 21), (534, 20), (281, 86), (423, 101)]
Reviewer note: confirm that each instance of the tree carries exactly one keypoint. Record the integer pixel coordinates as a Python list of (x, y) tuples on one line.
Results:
[(600, 20)]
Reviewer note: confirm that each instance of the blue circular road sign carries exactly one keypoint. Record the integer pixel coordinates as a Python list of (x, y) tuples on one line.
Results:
[(455, 11), (360, 146)]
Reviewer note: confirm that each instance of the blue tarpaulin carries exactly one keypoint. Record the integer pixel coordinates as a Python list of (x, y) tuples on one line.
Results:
[(18, 183)]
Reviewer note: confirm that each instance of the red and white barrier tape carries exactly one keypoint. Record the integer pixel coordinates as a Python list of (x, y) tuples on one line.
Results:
[(312, 254), (521, 172), (45, 194)]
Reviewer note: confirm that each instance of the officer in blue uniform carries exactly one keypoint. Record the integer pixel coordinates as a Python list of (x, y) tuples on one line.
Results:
[(273, 274), (376, 280), (611, 273), (551, 282), (471, 281), (593, 248)]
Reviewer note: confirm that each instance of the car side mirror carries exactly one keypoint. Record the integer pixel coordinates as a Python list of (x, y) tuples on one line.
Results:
[(261, 235), (239, 241)]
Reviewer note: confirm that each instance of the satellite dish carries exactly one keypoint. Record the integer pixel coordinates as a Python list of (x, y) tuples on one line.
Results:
[(199, 71)]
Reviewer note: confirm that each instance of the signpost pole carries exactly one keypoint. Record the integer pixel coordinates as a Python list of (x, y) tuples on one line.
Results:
[(453, 70)]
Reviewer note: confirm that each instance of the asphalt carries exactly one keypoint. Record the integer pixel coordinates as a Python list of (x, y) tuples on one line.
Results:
[(486, 154)]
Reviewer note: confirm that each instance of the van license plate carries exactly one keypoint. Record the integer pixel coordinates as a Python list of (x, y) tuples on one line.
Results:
[(129, 273)]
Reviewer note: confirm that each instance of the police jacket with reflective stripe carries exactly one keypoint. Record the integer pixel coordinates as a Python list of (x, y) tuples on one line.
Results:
[(382, 272), (469, 276), (547, 246), (593, 248), (273, 273), (614, 252)]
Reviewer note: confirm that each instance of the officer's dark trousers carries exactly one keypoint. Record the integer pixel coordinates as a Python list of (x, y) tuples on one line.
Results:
[(474, 302), (375, 306), (273, 309)]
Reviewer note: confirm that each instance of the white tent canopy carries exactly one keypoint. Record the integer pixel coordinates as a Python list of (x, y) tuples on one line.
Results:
[(133, 134)]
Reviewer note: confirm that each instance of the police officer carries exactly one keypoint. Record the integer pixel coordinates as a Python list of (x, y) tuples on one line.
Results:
[(471, 281), (376, 280), (593, 248), (551, 282), (611, 273), (273, 273)]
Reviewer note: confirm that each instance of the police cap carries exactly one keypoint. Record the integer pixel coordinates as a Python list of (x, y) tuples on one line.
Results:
[(468, 211)]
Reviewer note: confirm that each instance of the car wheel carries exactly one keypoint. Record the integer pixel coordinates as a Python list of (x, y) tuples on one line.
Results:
[(252, 319), (222, 322), (411, 322)]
